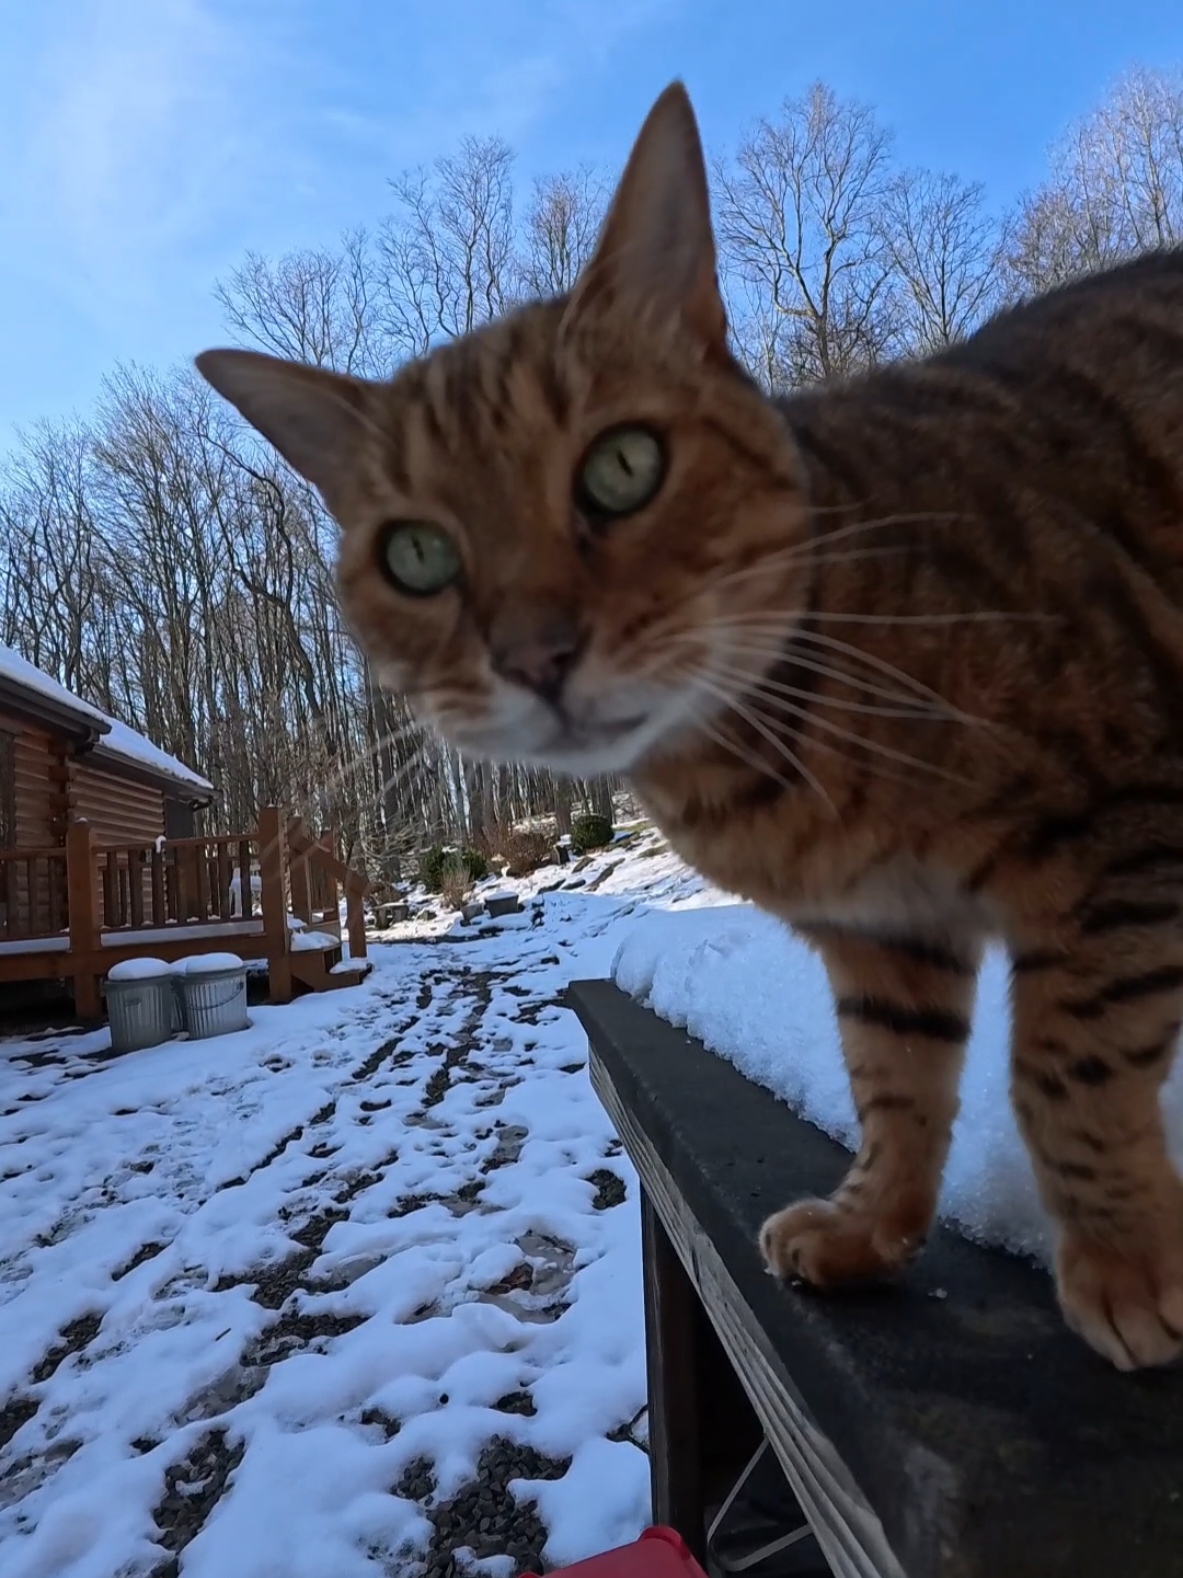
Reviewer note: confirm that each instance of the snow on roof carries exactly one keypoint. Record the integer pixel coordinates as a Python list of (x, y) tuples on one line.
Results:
[(117, 740), (129, 746), (21, 672)]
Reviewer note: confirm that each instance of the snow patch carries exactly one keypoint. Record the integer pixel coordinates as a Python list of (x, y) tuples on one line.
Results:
[(140, 970), (741, 983)]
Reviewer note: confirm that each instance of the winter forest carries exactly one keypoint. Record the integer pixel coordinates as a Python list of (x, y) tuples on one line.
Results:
[(167, 567)]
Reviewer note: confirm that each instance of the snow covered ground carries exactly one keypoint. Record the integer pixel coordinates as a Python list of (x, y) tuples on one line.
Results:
[(356, 1292), (324, 1296)]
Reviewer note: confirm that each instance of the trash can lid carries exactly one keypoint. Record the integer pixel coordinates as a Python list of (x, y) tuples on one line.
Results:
[(138, 970), (207, 964), (659, 1553)]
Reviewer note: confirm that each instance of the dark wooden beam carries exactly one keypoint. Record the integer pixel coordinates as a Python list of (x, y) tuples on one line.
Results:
[(949, 1427)]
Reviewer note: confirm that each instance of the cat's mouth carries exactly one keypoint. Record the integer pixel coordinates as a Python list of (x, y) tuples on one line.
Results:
[(567, 740)]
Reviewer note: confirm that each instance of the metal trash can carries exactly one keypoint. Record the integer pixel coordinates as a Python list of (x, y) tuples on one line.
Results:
[(140, 1004), (213, 996)]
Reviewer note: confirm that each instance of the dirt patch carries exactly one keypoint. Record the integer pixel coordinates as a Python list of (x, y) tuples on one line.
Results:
[(71, 1339), (192, 1489), (374, 1062), (610, 1190), (28, 1474), (485, 1517), (15, 1414), (521, 1402), (387, 1423), (510, 1139), (296, 1330), (408, 1203), (144, 1253)]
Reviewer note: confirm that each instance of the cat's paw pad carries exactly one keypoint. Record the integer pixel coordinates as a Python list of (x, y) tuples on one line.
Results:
[(829, 1242), (1129, 1307)]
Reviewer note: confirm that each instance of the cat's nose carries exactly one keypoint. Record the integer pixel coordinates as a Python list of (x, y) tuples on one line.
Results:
[(540, 654)]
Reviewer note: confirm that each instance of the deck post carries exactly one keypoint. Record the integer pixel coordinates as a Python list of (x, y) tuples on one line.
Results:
[(85, 920), (298, 847), (273, 860), (672, 1322)]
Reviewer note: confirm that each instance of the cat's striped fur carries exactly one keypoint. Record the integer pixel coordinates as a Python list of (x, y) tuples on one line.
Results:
[(901, 660)]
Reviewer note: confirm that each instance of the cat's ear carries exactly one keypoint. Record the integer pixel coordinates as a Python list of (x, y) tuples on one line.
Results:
[(316, 419), (657, 247)]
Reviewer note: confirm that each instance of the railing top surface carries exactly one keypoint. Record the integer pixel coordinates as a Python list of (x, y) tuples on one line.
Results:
[(150, 845), (985, 1436)]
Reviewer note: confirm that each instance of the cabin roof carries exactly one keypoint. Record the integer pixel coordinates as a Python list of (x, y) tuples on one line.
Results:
[(105, 739)]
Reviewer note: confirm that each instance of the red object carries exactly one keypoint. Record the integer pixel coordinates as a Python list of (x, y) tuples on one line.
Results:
[(659, 1553)]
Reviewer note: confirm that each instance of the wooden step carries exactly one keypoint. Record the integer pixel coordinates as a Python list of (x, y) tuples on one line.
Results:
[(352, 977), (312, 971)]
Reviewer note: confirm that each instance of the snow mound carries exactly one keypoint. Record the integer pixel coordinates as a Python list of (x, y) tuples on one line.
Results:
[(139, 970), (741, 983), (206, 963)]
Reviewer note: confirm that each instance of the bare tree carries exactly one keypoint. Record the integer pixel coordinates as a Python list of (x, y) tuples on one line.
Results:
[(802, 243), (52, 564), (315, 306), (447, 251), (1115, 188), (947, 255), (560, 230)]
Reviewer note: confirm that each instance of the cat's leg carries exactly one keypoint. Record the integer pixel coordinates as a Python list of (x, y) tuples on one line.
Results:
[(904, 1007), (1094, 1037)]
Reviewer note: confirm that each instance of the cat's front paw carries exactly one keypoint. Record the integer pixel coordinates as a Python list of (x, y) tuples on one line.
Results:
[(1126, 1304), (829, 1242)]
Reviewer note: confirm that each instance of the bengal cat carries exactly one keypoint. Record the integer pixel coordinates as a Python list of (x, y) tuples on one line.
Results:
[(900, 659)]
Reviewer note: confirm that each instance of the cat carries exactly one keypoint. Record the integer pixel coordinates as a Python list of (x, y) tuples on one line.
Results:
[(899, 658)]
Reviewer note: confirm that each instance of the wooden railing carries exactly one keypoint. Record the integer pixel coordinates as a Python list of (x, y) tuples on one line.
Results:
[(179, 881), (317, 879), (33, 889), (102, 898)]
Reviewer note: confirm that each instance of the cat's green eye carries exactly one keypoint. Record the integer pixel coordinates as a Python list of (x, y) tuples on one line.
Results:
[(621, 472), (419, 559)]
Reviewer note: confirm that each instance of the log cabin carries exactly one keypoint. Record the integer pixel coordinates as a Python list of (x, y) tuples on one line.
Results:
[(62, 759), (100, 858)]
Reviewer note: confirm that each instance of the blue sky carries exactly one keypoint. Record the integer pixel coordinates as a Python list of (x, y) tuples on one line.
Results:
[(145, 145)]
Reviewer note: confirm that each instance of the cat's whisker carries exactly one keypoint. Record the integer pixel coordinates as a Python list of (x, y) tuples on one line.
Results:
[(784, 651), (788, 656), (964, 617), (903, 708), (786, 731), (873, 746), (815, 549), (361, 760), (749, 758), (703, 681)]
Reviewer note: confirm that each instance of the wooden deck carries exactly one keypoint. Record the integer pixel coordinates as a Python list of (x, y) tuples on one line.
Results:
[(72, 912)]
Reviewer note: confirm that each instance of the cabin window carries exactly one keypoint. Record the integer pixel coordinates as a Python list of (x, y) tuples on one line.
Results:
[(7, 790)]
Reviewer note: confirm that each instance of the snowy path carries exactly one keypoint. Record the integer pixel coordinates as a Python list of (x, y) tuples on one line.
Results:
[(326, 1296)]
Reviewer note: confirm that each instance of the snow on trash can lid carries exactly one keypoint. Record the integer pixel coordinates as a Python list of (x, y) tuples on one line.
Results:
[(139, 970), (207, 963)]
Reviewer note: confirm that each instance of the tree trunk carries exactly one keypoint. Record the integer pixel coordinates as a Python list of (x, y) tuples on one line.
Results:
[(562, 805)]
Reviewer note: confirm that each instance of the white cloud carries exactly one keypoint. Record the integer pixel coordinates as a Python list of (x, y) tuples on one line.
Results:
[(162, 138)]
